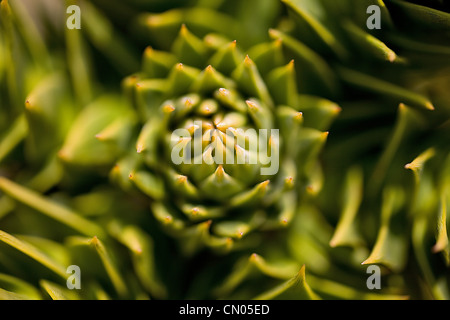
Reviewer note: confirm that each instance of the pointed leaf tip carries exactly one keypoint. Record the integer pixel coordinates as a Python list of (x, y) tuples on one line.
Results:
[(263, 185), (252, 105), (220, 173), (181, 179), (248, 62), (298, 117)]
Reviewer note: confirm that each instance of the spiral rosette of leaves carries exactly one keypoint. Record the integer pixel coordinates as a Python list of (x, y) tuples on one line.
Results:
[(66, 135), (220, 191), (377, 194)]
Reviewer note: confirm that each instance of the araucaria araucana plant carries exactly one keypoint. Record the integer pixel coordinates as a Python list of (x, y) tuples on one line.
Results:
[(211, 149)]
